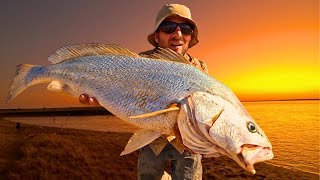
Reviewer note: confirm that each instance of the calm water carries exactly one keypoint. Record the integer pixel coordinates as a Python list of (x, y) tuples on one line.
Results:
[(293, 129), (291, 126)]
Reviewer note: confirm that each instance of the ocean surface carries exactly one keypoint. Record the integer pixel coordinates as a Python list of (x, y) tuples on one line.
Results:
[(293, 128)]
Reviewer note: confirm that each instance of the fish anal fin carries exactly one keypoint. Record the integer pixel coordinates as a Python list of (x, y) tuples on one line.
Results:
[(89, 49), (140, 139), (172, 107)]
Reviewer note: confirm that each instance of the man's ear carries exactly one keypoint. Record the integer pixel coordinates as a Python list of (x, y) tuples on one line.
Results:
[(156, 37)]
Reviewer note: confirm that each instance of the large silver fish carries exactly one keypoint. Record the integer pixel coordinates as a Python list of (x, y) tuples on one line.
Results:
[(155, 93)]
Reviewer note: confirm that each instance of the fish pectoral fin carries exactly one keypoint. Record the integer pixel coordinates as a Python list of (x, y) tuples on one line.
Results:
[(172, 107), (60, 87), (140, 139)]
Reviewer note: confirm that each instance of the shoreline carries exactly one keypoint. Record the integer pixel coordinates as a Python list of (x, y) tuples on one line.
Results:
[(48, 150)]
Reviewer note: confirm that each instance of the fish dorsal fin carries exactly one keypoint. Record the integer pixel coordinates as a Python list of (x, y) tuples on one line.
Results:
[(89, 49), (168, 54)]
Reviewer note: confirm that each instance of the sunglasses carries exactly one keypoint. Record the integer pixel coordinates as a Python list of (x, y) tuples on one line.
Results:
[(170, 27)]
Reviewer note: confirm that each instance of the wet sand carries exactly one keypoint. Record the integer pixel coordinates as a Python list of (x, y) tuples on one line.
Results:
[(35, 152)]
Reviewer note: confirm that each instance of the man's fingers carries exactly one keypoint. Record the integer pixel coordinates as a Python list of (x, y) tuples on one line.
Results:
[(93, 101), (84, 99)]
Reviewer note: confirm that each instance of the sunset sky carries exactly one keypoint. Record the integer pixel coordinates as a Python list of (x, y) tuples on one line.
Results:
[(262, 50)]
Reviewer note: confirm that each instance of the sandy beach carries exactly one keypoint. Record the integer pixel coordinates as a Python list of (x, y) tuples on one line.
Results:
[(35, 152)]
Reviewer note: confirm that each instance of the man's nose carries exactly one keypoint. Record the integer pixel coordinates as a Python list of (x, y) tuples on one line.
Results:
[(177, 32)]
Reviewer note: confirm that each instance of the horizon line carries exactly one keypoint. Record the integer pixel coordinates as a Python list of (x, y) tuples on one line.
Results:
[(308, 99), (94, 107)]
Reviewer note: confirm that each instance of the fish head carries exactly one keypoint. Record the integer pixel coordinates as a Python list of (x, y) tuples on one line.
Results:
[(228, 125)]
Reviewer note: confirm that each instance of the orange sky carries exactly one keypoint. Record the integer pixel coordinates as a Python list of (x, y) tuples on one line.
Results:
[(262, 50)]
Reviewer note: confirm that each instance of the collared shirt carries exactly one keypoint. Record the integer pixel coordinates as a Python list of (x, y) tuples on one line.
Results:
[(158, 144), (195, 62)]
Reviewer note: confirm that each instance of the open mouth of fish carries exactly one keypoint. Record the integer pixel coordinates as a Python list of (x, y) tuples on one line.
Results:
[(251, 154)]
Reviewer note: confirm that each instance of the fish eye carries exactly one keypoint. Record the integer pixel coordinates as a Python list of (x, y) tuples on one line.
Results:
[(252, 127)]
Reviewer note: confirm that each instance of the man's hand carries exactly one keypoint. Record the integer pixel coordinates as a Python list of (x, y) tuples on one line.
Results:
[(85, 99)]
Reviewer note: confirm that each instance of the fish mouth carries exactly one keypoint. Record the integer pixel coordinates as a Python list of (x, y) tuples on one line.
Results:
[(251, 154)]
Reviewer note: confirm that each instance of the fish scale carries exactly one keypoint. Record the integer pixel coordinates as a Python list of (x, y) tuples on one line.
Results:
[(125, 75)]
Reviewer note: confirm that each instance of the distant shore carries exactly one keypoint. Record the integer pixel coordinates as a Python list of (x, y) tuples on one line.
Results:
[(283, 100), (84, 111), (70, 111)]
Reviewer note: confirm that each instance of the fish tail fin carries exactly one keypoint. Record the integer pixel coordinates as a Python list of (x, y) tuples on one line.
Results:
[(24, 77)]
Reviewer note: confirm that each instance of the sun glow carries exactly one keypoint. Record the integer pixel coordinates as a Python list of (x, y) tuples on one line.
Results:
[(277, 83)]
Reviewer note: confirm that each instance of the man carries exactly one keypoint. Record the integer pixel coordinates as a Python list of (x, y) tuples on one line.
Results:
[(174, 29)]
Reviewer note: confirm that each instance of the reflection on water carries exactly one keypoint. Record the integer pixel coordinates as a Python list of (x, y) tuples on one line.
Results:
[(293, 129)]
